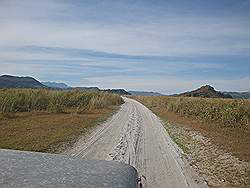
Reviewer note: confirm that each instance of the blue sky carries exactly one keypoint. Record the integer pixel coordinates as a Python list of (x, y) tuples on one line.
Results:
[(167, 46)]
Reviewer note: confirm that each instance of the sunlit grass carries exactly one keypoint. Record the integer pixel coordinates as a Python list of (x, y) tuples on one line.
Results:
[(50, 120), (55, 101), (226, 112), (224, 121)]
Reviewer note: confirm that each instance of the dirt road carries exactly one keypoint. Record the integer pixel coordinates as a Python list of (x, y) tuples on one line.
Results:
[(136, 136)]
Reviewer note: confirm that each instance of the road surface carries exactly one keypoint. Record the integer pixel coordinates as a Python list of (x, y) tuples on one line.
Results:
[(136, 136)]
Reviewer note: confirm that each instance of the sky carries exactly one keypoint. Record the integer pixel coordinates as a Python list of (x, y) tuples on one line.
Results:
[(168, 46)]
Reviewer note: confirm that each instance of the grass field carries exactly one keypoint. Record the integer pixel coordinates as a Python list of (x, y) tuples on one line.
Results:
[(27, 100), (225, 112), (225, 121), (50, 120)]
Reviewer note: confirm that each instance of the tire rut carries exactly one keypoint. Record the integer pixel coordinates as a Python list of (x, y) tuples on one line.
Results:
[(135, 136)]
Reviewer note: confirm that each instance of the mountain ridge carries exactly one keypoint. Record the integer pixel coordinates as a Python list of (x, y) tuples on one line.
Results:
[(145, 93), (117, 91), (59, 85), (9, 81), (238, 95), (205, 91)]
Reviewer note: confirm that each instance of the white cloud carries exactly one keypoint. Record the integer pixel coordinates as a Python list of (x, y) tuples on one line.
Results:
[(23, 23), (124, 29)]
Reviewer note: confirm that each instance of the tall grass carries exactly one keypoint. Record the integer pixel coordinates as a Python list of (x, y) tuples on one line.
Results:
[(26, 100), (228, 112)]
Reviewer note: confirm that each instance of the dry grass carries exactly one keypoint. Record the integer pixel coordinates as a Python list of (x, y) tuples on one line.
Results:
[(231, 139), (49, 120), (47, 132), (217, 167), (229, 128), (225, 112), (27, 100)]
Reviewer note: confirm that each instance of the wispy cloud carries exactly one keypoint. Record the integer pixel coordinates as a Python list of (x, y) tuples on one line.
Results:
[(130, 28), (72, 65), (147, 42)]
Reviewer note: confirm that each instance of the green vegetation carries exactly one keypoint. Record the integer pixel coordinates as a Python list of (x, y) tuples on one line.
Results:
[(225, 112), (28, 100), (50, 120)]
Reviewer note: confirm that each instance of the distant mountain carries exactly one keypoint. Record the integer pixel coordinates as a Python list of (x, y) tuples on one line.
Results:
[(8, 81), (145, 93), (55, 85), (85, 88), (238, 95), (64, 86), (118, 91), (206, 91)]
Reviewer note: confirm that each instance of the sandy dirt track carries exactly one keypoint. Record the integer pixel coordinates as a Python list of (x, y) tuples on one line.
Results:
[(136, 136)]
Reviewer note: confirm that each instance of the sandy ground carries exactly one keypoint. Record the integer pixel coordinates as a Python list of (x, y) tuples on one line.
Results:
[(136, 136)]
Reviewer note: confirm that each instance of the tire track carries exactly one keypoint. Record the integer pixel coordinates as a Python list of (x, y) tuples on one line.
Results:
[(136, 136)]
